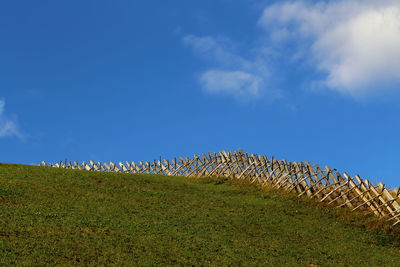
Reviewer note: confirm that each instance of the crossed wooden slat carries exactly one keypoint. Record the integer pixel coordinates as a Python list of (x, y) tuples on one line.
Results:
[(326, 185)]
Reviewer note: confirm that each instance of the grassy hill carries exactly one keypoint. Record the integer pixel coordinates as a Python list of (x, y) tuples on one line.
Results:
[(58, 216)]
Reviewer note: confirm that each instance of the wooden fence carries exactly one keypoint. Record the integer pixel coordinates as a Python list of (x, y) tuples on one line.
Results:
[(325, 185)]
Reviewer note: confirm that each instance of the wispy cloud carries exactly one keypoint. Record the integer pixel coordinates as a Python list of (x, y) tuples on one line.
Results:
[(218, 49), (234, 75), (8, 125), (356, 43), (352, 46), (238, 83)]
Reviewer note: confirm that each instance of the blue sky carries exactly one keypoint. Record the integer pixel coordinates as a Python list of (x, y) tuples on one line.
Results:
[(136, 80)]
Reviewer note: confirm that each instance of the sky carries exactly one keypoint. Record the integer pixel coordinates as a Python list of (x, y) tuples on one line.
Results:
[(315, 81)]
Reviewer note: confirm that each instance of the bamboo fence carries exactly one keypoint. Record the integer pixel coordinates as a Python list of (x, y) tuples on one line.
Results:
[(325, 185)]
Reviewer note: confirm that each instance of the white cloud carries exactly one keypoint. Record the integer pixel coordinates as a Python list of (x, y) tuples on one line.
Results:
[(238, 83), (235, 75), (355, 42), (218, 49), (8, 126)]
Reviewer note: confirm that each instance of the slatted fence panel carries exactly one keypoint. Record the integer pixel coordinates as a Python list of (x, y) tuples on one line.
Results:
[(325, 185)]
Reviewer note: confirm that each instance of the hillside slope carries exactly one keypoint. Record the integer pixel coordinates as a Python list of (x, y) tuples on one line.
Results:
[(60, 216)]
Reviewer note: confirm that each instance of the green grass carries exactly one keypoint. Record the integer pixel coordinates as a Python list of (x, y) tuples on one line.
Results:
[(52, 216)]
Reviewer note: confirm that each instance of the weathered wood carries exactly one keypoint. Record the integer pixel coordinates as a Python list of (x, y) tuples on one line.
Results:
[(165, 168), (394, 202), (317, 182), (244, 171), (108, 168), (389, 209), (345, 193), (334, 190), (367, 201), (326, 185), (136, 168), (123, 168), (297, 173), (371, 205)]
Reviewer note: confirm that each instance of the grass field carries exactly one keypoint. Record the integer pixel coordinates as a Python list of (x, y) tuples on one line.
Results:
[(51, 216)]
